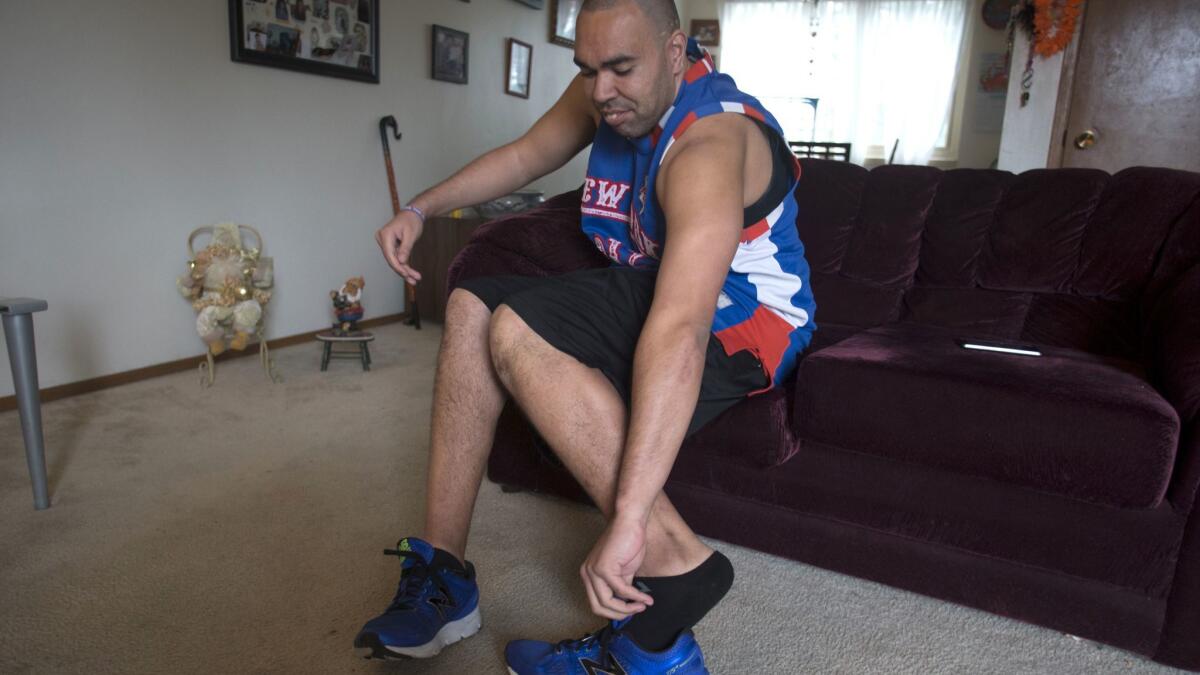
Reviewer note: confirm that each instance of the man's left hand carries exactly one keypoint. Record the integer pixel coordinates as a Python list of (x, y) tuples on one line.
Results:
[(608, 571)]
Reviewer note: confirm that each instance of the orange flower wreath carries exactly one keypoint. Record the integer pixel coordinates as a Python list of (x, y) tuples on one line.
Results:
[(1054, 23)]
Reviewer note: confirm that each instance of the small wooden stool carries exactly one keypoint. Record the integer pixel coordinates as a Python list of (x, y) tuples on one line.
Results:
[(360, 338)]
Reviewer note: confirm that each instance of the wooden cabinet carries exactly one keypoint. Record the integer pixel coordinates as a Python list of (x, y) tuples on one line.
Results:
[(442, 239)]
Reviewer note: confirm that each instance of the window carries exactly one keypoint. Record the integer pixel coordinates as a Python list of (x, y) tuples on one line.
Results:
[(881, 70)]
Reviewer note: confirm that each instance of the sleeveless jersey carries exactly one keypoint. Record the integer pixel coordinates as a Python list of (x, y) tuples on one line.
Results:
[(765, 304)]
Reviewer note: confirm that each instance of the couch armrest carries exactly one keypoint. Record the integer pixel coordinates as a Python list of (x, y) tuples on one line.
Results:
[(1173, 343), (1172, 352), (545, 241)]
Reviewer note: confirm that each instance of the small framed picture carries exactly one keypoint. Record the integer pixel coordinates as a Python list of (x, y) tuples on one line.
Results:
[(520, 63), (563, 14), (451, 52), (707, 32)]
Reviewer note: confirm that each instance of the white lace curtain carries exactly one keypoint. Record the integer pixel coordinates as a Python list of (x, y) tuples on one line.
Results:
[(882, 69)]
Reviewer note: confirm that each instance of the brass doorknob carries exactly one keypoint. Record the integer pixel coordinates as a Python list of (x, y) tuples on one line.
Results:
[(1086, 140)]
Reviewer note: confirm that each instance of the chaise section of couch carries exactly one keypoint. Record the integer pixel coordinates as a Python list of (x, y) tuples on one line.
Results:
[(1058, 489)]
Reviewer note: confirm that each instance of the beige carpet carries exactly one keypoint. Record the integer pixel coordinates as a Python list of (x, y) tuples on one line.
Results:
[(239, 529)]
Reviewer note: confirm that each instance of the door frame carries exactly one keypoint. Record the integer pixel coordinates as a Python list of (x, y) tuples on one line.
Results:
[(1066, 92)]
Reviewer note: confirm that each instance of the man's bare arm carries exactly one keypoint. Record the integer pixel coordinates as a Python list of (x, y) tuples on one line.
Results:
[(567, 128), (701, 188)]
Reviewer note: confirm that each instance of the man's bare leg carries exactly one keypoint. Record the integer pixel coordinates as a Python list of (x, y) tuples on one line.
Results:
[(579, 413), (467, 400)]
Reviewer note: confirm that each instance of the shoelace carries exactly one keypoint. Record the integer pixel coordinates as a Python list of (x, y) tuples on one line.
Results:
[(602, 637), (413, 579)]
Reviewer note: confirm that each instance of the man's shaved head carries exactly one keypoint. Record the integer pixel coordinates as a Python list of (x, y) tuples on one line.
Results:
[(662, 13), (631, 57)]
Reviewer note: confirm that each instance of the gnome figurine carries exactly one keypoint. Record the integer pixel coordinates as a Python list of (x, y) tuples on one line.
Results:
[(347, 306)]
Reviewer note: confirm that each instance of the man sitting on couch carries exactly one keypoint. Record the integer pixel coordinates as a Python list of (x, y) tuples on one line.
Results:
[(614, 366)]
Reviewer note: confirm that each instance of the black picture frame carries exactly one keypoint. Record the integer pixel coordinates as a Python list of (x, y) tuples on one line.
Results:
[(563, 14), (447, 65), (518, 75), (346, 33)]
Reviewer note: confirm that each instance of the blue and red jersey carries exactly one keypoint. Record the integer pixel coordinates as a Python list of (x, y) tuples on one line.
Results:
[(766, 304)]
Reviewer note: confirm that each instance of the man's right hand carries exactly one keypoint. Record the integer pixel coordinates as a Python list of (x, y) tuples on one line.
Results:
[(396, 240)]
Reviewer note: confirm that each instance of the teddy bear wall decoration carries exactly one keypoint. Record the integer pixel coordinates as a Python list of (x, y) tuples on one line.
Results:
[(229, 285)]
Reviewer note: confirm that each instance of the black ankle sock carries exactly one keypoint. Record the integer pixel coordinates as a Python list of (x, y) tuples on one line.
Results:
[(446, 559), (680, 602)]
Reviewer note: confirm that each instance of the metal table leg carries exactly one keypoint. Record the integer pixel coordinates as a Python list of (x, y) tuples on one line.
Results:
[(18, 334)]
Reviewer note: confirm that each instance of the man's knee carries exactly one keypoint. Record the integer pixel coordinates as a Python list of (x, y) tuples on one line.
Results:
[(464, 306), (465, 334), (508, 336)]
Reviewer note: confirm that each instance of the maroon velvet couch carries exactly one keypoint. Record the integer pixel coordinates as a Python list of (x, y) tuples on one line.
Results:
[(1059, 490)]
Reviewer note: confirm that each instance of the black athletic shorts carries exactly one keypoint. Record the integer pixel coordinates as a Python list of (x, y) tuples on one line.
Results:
[(596, 316)]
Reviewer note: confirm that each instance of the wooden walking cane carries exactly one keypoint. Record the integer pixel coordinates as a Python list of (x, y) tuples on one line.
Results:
[(410, 291)]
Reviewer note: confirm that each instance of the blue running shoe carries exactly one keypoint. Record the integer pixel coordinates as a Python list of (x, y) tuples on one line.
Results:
[(608, 651), (436, 604)]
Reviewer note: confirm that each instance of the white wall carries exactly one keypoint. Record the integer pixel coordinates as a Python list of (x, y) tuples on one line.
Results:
[(978, 145), (124, 125), (697, 9), (700, 9), (1025, 143)]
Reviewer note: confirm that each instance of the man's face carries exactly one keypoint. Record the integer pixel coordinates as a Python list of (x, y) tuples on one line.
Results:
[(626, 67)]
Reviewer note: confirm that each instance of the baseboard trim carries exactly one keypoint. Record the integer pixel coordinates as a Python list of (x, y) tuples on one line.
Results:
[(117, 379)]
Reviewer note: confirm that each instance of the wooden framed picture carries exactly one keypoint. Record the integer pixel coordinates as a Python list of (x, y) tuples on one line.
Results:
[(707, 32), (563, 14), (451, 52), (520, 64), (338, 38)]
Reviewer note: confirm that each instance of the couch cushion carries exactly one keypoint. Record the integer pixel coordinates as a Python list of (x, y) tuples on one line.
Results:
[(1067, 422), (760, 425), (1034, 242), (970, 311), (1090, 324), (540, 242), (958, 225), (828, 334), (862, 236), (1125, 236)]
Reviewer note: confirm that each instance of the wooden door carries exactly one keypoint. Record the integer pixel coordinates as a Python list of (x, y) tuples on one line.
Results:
[(1136, 86)]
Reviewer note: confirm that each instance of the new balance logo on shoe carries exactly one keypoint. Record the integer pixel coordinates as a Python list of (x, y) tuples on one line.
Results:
[(441, 602), (609, 667), (607, 651)]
